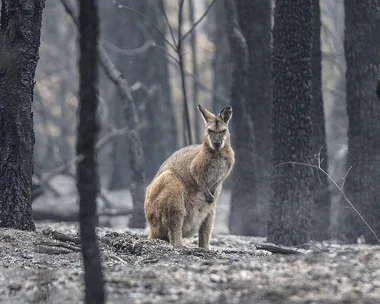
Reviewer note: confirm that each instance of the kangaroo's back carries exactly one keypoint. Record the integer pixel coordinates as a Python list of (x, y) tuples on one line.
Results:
[(180, 161), (181, 198)]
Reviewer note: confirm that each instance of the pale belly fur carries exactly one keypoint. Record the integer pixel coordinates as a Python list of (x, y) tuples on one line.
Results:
[(197, 210)]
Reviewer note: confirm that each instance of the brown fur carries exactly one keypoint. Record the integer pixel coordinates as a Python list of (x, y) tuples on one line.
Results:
[(181, 199)]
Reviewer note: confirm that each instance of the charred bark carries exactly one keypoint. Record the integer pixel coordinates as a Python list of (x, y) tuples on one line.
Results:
[(19, 53), (87, 170), (290, 205)]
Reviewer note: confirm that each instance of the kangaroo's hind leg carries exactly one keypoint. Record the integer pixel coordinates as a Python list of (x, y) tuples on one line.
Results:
[(176, 213), (165, 207), (205, 230), (175, 227)]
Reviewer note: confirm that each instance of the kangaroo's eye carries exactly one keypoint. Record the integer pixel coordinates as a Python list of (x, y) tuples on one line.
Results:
[(224, 131), (210, 131)]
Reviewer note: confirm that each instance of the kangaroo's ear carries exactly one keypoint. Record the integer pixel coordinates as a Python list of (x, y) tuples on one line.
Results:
[(226, 114), (207, 115)]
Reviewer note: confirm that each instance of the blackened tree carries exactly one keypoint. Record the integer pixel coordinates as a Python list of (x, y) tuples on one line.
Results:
[(290, 205), (362, 50), (243, 176), (255, 23), (87, 171), (20, 30), (322, 199)]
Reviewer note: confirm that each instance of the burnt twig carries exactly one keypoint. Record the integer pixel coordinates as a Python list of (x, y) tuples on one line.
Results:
[(276, 249), (58, 244), (199, 20)]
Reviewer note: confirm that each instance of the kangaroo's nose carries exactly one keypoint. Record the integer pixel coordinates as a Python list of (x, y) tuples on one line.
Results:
[(217, 144)]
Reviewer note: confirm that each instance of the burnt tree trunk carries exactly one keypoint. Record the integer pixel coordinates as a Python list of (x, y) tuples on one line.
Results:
[(362, 50), (87, 171), (322, 200), (255, 24), (290, 205), (243, 175), (20, 30)]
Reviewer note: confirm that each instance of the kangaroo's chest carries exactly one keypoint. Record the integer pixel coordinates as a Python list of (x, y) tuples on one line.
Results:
[(215, 172)]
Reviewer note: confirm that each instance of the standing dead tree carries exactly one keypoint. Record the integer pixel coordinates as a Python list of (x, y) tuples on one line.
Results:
[(87, 171), (134, 141), (291, 201), (20, 30)]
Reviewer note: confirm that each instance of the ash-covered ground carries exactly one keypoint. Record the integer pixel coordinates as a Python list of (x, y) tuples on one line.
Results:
[(43, 267)]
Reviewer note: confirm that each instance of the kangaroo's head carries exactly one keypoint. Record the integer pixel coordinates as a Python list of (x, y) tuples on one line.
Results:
[(216, 131)]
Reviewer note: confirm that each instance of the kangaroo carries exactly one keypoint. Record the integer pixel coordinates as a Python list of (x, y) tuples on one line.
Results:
[(181, 199)]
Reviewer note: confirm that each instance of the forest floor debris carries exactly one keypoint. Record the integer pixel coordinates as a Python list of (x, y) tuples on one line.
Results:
[(45, 267)]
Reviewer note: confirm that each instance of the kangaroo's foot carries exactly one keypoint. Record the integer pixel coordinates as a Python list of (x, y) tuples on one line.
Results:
[(175, 237)]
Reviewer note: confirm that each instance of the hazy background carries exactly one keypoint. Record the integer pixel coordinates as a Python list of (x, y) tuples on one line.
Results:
[(139, 51)]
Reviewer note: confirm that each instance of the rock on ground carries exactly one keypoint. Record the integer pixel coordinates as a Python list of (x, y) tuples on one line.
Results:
[(37, 268)]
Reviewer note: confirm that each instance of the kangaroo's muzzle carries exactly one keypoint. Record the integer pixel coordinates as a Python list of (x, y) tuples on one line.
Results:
[(217, 145)]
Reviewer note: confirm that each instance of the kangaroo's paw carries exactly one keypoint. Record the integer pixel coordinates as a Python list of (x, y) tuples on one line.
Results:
[(210, 198)]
